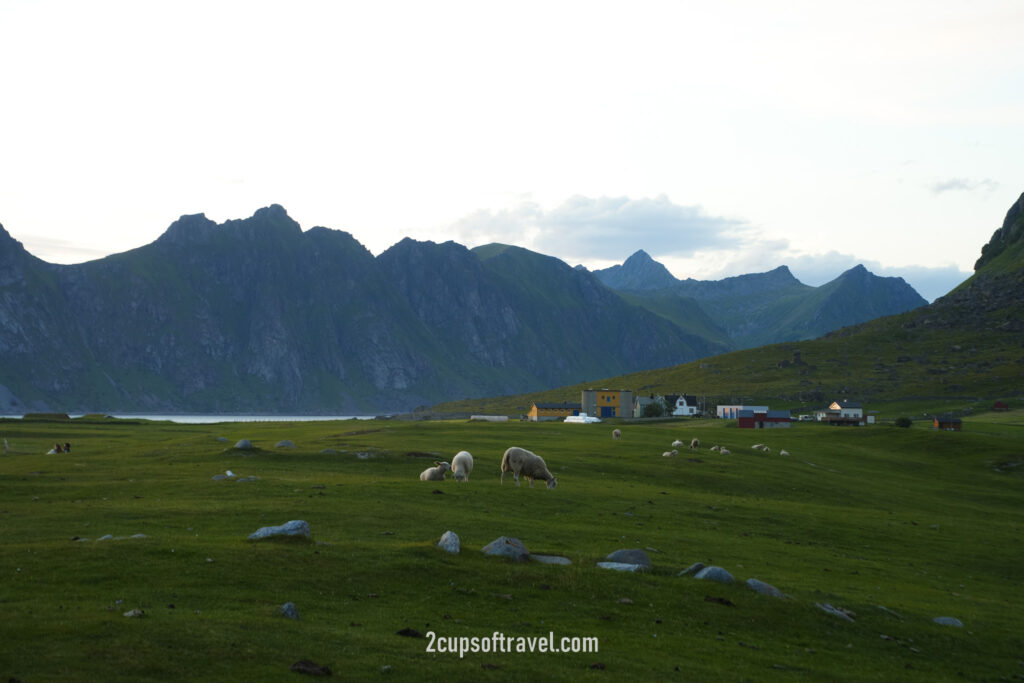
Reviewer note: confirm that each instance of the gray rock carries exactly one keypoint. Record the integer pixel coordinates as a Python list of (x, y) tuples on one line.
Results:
[(504, 546), (284, 444), (621, 566), (108, 537), (289, 611), (244, 445), (839, 612), (551, 559), (222, 439), (296, 527), (219, 477), (631, 556), (247, 479), (450, 543), (138, 535), (692, 569), (765, 588), (948, 621), (714, 573)]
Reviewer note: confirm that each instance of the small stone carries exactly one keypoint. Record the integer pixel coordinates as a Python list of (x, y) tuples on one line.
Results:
[(948, 621), (284, 444), (551, 559), (304, 666), (620, 566), (108, 537), (837, 611), (765, 588), (289, 611), (244, 445), (692, 569), (135, 613), (296, 527), (450, 543), (409, 633)]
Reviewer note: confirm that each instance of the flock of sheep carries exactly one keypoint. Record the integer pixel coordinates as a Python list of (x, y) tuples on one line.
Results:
[(523, 463), (519, 461)]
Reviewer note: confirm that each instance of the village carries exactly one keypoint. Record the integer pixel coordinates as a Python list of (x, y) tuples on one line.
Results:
[(598, 404)]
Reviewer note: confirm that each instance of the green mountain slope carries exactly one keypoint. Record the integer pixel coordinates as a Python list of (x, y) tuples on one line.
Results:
[(961, 352)]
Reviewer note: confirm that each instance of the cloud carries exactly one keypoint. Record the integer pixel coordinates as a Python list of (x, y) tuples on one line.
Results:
[(605, 228), (53, 250), (963, 185)]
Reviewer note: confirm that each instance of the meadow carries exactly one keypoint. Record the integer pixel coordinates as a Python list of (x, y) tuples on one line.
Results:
[(895, 526)]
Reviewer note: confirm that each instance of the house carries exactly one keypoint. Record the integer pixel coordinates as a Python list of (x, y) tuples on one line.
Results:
[(543, 412), (843, 412), (1000, 405), (947, 423), (685, 406), (769, 419), (732, 412), (641, 402), (607, 402)]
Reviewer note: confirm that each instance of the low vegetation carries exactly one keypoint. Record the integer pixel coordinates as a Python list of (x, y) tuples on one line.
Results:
[(895, 526)]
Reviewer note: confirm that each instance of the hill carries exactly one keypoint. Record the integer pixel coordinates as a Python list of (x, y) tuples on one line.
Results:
[(764, 308), (961, 352)]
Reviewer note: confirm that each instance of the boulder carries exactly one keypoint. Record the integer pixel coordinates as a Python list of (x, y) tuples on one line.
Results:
[(692, 569), (631, 556), (504, 546), (714, 573), (289, 611), (765, 588), (948, 621), (551, 559), (284, 444), (244, 445), (621, 566), (450, 543)]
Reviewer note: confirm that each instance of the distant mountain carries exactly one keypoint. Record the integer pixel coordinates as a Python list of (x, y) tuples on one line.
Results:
[(962, 352), (256, 315), (764, 308)]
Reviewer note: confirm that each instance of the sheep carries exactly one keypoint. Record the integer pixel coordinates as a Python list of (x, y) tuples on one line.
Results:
[(670, 454), (724, 451), (783, 452), (462, 465), (715, 447), (766, 450), (677, 444), (521, 462), (435, 473), (616, 434), (757, 446), (694, 443)]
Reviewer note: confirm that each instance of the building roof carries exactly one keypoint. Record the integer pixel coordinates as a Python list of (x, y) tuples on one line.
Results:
[(779, 414), (558, 406)]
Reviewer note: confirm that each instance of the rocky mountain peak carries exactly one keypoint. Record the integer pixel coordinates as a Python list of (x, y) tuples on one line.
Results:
[(1011, 232)]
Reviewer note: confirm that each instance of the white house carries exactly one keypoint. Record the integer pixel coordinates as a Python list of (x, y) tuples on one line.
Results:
[(733, 412), (686, 406)]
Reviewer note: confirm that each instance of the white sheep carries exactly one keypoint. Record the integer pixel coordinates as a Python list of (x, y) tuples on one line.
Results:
[(521, 462), (766, 450), (670, 454), (462, 465), (435, 473), (724, 451), (783, 452), (757, 446), (694, 443), (715, 447), (677, 444), (616, 434)]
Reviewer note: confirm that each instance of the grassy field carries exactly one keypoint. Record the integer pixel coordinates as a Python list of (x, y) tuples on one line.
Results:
[(897, 526)]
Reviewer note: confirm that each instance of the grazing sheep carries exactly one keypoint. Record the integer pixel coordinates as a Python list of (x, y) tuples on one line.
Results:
[(670, 454), (616, 434), (435, 473), (677, 444), (462, 465), (783, 452), (757, 446), (521, 462), (694, 443), (766, 450), (724, 451)]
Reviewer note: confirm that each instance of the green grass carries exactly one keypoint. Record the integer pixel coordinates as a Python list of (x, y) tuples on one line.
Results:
[(923, 523)]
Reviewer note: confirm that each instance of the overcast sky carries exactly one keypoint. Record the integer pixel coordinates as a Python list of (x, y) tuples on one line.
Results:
[(721, 136)]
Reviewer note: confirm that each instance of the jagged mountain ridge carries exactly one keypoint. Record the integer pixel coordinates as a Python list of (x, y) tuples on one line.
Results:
[(764, 308), (256, 315)]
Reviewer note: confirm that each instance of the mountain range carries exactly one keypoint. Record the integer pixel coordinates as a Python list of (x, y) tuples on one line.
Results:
[(257, 316)]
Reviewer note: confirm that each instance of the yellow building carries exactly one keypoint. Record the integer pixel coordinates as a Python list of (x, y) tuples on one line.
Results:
[(541, 412), (607, 402)]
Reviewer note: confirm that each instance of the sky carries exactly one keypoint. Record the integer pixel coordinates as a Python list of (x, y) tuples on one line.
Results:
[(722, 137)]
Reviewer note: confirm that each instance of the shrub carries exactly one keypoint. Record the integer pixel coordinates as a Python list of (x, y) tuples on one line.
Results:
[(903, 422)]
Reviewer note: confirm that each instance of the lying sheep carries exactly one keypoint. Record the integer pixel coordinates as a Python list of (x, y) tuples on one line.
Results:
[(462, 465), (677, 444), (724, 451), (521, 462), (435, 473), (757, 446), (670, 454), (715, 447), (694, 443), (783, 452), (616, 434)]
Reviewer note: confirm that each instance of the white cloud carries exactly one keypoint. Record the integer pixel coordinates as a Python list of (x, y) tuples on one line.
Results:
[(963, 184)]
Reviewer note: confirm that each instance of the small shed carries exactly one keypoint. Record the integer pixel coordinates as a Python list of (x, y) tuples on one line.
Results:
[(947, 423)]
